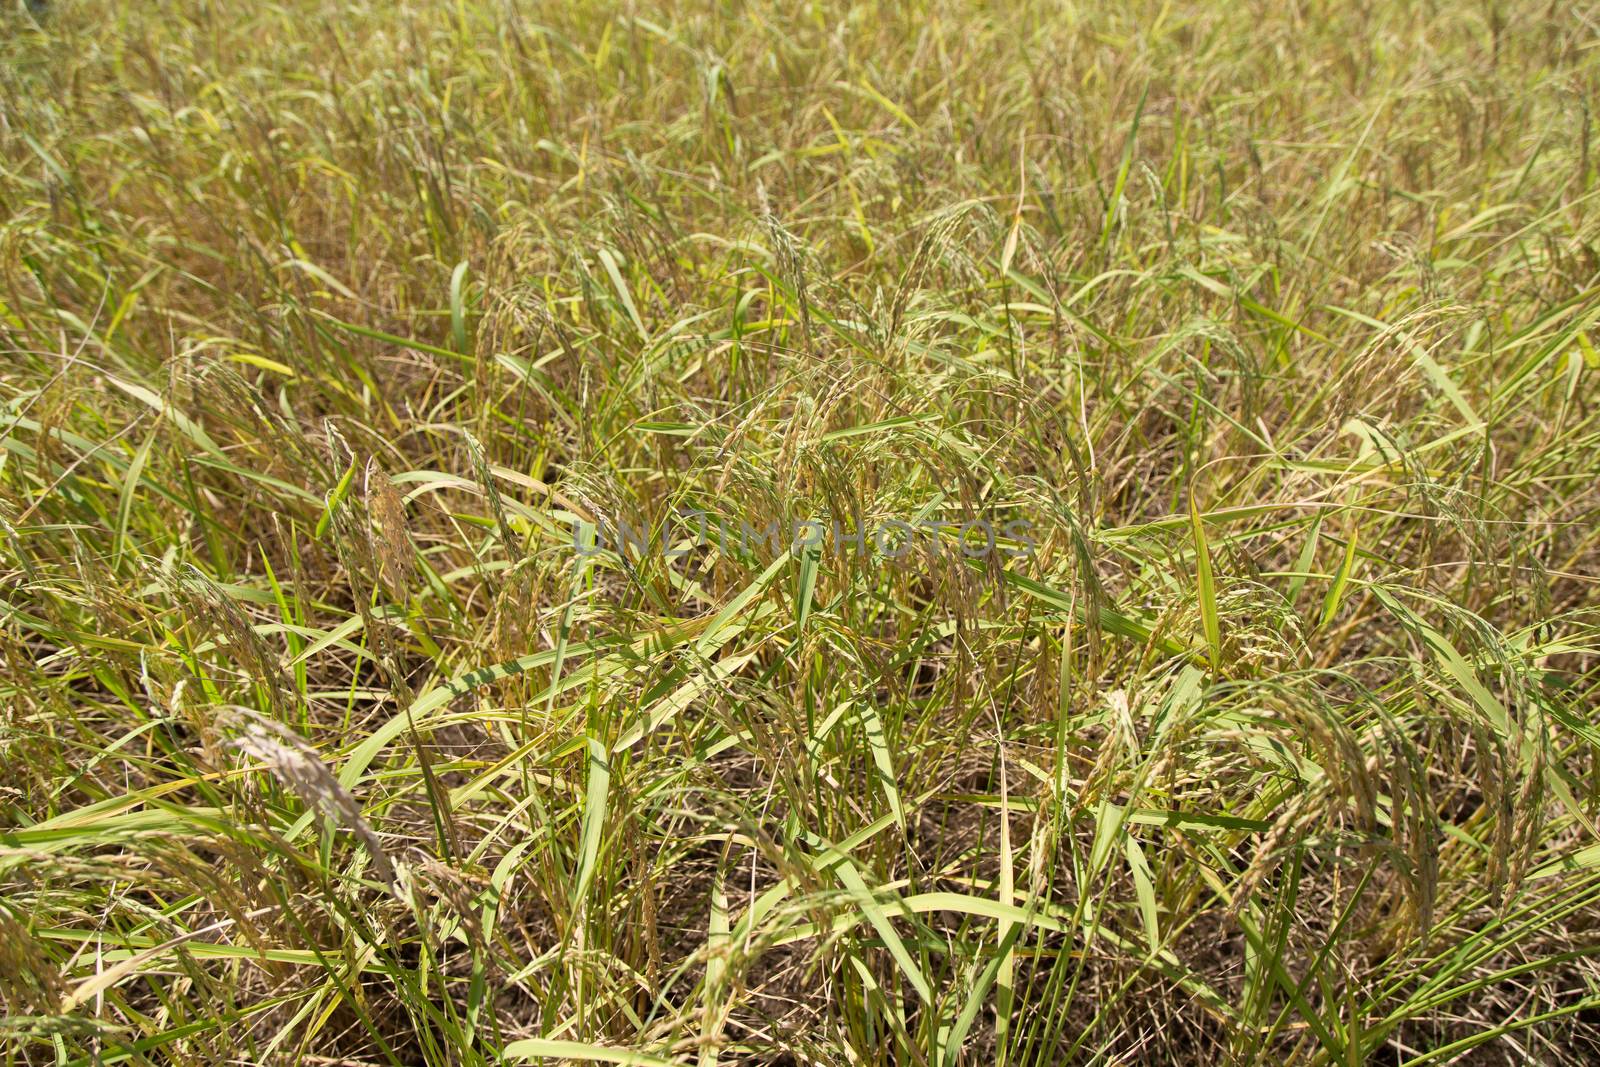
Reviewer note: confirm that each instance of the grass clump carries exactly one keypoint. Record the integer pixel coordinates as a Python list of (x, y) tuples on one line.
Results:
[(1230, 369)]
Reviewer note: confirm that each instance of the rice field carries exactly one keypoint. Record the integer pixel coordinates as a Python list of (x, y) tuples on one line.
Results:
[(737, 532)]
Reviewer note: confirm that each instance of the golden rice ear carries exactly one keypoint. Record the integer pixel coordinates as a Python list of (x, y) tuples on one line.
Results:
[(386, 514), (212, 611), (29, 983), (290, 759)]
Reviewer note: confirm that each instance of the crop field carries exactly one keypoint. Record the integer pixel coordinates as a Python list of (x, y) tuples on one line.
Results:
[(812, 533)]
